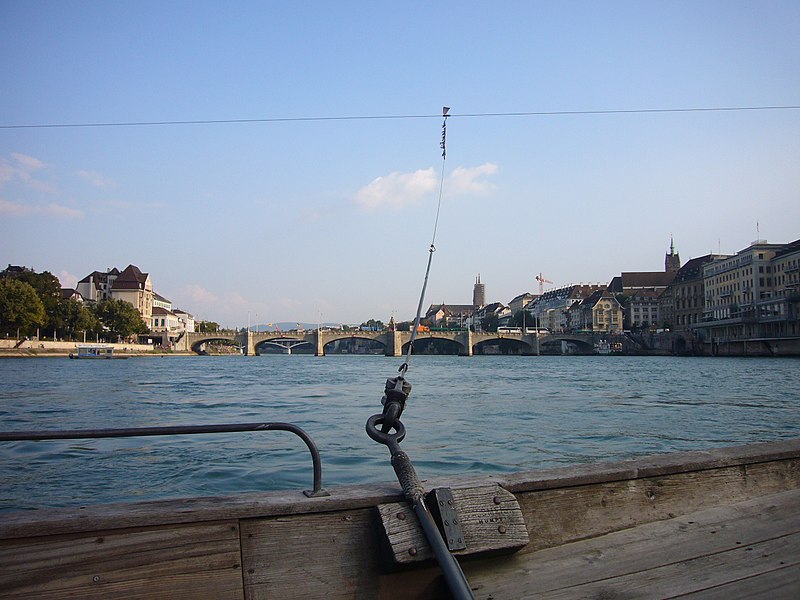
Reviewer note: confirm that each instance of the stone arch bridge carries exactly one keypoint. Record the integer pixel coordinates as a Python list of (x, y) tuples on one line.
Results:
[(395, 343)]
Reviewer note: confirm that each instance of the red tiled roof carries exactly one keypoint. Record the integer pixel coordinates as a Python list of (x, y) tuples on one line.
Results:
[(131, 278)]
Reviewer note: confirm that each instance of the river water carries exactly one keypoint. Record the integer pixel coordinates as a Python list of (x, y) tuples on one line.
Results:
[(465, 416)]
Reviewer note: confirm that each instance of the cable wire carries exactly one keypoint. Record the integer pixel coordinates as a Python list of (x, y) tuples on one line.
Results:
[(396, 117), (432, 249)]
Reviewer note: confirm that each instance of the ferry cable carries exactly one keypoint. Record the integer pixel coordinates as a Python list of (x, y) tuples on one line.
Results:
[(394, 400), (542, 113)]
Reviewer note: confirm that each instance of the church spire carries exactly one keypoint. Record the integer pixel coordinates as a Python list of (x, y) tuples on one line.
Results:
[(672, 261)]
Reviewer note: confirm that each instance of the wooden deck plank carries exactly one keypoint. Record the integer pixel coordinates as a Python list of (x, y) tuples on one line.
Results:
[(772, 585), (191, 562), (559, 516), (731, 548)]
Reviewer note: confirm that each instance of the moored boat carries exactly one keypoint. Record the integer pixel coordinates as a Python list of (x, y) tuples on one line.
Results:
[(95, 351)]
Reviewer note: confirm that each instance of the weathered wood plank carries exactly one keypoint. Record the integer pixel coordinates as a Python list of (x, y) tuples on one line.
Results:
[(187, 561), (699, 575), (329, 555), (490, 518), (779, 584), (558, 516), (732, 546)]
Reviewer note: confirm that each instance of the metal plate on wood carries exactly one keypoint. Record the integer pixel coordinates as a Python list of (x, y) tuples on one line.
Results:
[(443, 507), (490, 518)]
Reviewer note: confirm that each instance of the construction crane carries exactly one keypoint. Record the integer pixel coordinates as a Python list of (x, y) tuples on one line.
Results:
[(540, 278)]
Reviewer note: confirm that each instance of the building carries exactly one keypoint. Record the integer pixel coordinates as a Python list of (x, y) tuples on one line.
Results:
[(161, 302), (71, 294), (164, 321), (752, 294), (130, 285), (96, 286), (450, 315), (495, 309), (600, 312), (173, 321), (607, 314), (786, 305), (551, 309), (643, 290), (520, 302), (682, 303), (136, 288), (643, 309), (672, 261), (186, 319), (629, 283), (478, 294)]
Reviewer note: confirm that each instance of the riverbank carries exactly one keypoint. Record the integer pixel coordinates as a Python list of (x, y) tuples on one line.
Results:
[(13, 348)]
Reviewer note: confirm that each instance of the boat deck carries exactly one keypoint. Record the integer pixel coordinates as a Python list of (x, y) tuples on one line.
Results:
[(746, 550)]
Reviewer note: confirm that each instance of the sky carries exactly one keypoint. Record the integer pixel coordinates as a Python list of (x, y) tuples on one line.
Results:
[(317, 199)]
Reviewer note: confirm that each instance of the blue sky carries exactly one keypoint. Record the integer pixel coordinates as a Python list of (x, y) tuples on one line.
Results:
[(290, 220)]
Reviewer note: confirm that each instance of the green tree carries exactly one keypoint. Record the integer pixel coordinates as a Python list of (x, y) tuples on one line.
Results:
[(73, 318), (207, 327), (373, 325), (120, 317), (47, 287), (20, 307)]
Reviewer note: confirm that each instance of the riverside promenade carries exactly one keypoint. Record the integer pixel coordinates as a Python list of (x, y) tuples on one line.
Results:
[(11, 348)]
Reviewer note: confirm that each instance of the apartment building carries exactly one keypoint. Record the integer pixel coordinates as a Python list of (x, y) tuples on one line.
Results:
[(752, 294), (129, 285)]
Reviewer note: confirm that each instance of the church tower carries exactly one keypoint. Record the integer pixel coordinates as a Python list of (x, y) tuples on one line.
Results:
[(672, 261), (478, 294)]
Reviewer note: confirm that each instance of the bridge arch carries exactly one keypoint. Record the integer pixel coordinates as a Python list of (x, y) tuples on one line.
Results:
[(198, 343), (503, 345), (584, 345), (379, 340), (424, 340), (287, 344)]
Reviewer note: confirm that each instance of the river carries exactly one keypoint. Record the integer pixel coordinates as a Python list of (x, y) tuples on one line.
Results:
[(465, 416)]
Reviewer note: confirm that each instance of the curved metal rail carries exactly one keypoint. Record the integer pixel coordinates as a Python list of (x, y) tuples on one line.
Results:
[(76, 434)]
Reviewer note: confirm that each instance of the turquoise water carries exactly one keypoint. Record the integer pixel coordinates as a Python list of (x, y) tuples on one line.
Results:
[(465, 416)]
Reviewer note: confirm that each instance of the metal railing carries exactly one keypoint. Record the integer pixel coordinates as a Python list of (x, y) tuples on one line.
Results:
[(77, 434)]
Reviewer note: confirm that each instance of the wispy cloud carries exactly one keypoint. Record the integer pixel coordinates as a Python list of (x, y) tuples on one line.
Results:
[(201, 301), (67, 279), (396, 190), (400, 190), (16, 209), (96, 179), (471, 181), (27, 164), (21, 167)]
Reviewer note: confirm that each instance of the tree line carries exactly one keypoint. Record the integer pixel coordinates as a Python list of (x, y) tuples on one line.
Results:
[(31, 302)]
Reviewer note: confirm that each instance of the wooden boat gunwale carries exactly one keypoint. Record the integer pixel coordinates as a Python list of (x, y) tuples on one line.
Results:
[(274, 534)]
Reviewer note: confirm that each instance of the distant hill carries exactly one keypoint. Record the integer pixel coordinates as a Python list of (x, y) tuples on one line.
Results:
[(287, 325)]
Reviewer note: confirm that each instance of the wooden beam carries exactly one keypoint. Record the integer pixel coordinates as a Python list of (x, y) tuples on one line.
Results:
[(180, 562)]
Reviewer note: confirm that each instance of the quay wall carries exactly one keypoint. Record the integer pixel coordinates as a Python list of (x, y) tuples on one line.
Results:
[(33, 347)]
